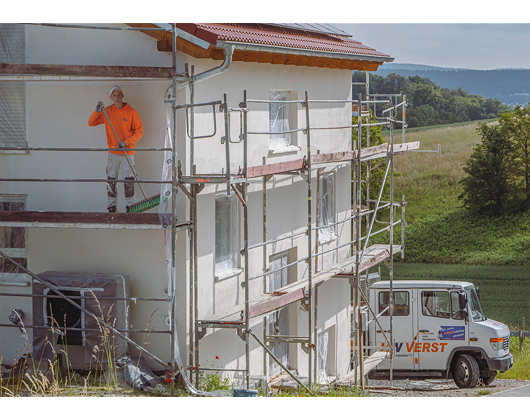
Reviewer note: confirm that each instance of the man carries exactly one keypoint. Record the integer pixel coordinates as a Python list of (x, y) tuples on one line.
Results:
[(129, 128)]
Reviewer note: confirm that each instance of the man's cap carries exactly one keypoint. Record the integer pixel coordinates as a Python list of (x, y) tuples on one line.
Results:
[(116, 87)]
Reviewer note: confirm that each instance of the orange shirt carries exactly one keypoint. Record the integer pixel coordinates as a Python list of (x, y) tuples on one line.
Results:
[(125, 121)]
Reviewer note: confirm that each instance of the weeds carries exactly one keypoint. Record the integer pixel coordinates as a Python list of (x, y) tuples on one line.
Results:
[(521, 361)]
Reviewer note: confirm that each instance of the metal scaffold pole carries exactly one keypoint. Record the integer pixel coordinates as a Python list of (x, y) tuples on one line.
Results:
[(309, 245)]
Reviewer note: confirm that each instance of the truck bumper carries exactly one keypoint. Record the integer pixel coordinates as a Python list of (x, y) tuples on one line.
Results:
[(502, 364)]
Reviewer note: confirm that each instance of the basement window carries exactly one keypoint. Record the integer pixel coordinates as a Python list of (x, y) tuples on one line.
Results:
[(61, 314), (226, 236), (281, 122), (13, 125), (13, 243)]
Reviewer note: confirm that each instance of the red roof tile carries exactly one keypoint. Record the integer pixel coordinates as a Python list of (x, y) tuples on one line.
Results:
[(261, 34)]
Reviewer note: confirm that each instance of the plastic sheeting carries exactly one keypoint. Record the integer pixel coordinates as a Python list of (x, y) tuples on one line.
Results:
[(12, 94), (113, 312), (137, 373), (226, 234)]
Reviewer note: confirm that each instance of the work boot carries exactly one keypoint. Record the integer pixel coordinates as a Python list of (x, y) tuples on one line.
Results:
[(112, 209)]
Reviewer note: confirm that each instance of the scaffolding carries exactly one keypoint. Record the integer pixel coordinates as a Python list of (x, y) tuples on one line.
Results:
[(362, 254)]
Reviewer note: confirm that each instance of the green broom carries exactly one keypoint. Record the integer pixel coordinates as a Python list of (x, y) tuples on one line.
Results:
[(146, 203)]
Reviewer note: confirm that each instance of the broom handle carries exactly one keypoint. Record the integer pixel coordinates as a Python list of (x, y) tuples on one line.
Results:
[(126, 157)]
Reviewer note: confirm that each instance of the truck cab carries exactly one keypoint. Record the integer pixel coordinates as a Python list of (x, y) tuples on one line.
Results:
[(439, 332)]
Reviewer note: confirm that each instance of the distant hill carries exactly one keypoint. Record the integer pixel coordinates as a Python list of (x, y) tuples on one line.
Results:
[(511, 86)]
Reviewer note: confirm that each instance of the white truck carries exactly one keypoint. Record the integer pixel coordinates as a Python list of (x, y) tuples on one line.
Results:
[(439, 332)]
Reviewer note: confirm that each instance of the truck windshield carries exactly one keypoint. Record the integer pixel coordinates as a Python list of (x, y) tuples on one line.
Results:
[(474, 304)]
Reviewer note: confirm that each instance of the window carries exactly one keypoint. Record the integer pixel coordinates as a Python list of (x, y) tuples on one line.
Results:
[(279, 320), (13, 94), (13, 243), (435, 304), (455, 306), (401, 303), (326, 215), (280, 122), (226, 235)]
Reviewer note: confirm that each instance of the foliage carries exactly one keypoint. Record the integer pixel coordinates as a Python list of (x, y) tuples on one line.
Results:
[(517, 127), (428, 104), (498, 170), (521, 361), (489, 188)]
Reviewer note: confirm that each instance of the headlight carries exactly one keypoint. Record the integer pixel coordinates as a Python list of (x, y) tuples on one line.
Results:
[(497, 343)]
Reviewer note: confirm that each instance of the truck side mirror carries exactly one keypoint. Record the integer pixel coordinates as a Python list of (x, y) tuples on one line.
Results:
[(478, 292), (462, 300)]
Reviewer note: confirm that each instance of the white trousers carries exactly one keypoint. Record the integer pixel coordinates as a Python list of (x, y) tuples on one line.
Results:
[(113, 168)]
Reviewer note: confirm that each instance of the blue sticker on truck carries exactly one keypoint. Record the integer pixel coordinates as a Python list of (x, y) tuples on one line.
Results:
[(452, 333)]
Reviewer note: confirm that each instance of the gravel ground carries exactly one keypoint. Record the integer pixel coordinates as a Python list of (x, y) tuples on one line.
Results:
[(437, 388)]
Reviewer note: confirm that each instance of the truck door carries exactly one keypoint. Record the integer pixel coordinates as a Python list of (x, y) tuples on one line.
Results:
[(403, 325), (441, 328)]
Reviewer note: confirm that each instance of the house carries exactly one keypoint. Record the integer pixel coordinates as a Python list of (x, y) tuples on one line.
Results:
[(245, 168)]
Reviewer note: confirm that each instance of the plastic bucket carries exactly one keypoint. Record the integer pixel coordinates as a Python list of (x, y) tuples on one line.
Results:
[(245, 393)]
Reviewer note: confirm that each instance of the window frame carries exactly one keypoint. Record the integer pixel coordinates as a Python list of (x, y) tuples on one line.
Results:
[(381, 306), (18, 277), (437, 314)]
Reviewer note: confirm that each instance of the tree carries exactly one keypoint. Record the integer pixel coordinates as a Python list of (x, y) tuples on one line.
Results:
[(489, 188), (428, 103), (517, 126)]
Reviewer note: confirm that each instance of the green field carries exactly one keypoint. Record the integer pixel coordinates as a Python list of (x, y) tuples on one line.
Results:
[(504, 291)]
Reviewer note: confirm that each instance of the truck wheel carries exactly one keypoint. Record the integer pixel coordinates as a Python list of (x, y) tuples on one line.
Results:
[(465, 371)]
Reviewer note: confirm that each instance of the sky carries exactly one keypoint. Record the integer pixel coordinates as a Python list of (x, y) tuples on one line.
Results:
[(479, 46)]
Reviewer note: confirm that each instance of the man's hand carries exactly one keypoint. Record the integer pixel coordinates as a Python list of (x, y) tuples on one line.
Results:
[(100, 106), (122, 145)]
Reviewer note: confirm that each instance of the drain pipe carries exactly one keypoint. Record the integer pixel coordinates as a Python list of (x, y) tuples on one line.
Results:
[(228, 50), (171, 96)]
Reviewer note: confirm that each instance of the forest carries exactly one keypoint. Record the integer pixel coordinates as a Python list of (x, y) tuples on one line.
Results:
[(511, 86), (429, 104)]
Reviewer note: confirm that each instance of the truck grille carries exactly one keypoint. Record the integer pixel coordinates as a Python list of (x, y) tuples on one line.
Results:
[(506, 343)]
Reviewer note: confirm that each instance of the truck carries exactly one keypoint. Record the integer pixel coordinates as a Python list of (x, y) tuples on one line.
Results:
[(439, 331)]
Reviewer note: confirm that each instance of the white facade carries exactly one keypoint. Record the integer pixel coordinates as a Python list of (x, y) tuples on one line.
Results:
[(57, 115)]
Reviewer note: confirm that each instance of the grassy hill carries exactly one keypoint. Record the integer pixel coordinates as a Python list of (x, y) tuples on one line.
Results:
[(438, 230)]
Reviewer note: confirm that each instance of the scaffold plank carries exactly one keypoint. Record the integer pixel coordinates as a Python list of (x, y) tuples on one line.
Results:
[(298, 164), (368, 364), (84, 220), (269, 302)]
